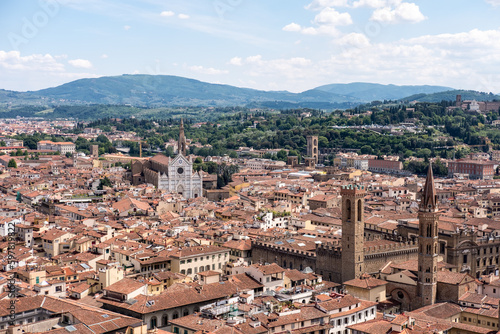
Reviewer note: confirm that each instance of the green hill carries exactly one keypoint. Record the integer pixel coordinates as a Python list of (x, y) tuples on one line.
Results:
[(173, 91), (451, 95)]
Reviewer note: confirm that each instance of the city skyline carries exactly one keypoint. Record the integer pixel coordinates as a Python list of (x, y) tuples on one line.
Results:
[(291, 46)]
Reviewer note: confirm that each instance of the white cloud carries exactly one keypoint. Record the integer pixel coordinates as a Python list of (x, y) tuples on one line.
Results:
[(331, 17), (469, 60), (167, 13), (12, 60), (287, 68), (325, 23), (237, 61), (126, 28), (207, 70), (104, 56), (475, 40), (43, 70), (354, 39), (371, 3), (292, 27), (183, 16), (390, 11), (320, 4), (310, 31), (254, 59), (80, 63), (493, 2), (404, 12)]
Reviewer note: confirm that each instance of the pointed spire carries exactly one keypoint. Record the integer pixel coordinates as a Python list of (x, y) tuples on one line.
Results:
[(429, 192)]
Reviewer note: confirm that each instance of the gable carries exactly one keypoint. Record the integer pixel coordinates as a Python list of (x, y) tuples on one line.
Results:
[(179, 161)]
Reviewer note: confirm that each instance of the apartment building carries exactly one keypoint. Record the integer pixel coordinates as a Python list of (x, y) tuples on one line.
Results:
[(192, 260), (476, 169), (61, 147)]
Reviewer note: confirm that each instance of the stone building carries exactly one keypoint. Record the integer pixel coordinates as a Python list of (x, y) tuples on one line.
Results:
[(174, 175), (353, 226), (423, 263), (428, 218), (329, 259), (312, 148)]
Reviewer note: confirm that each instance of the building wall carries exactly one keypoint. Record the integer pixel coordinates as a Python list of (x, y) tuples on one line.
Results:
[(451, 292), (192, 265), (384, 166)]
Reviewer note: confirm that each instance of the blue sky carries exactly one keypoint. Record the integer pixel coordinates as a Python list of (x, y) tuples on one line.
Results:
[(271, 45)]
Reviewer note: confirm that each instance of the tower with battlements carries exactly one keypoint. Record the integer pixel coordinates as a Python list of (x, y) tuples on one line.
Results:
[(353, 228), (428, 217)]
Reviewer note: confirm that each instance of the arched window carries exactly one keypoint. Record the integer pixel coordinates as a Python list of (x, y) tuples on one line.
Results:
[(153, 323), (348, 208), (201, 269), (175, 316), (360, 210), (164, 320), (190, 271), (186, 312)]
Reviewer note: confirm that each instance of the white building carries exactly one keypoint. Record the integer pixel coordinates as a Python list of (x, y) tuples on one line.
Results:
[(267, 221), (61, 147), (181, 179), (345, 310), (361, 164)]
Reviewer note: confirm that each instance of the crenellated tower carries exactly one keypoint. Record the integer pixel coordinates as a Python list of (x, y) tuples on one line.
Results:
[(353, 230), (428, 217)]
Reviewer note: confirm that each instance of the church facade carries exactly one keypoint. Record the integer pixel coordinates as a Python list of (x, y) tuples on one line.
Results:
[(174, 175), (181, 179)]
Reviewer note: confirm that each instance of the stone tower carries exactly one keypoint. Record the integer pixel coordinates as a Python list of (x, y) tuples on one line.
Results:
[(428, 218), (181, 144), (312, 147), (353, 230)]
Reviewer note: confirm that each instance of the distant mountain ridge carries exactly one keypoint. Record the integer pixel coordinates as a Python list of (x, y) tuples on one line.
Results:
[(166, 90), (370, 92)]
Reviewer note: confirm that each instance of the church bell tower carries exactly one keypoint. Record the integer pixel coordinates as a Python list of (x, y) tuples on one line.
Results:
[(353, 231), (428, 218), (181, 144)]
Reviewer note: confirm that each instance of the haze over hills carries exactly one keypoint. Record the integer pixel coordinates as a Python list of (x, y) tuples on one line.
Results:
[(370, 92), (166, 90)]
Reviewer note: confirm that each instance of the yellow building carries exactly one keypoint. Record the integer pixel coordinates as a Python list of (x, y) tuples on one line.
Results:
[(192, 260), (367, 288)]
